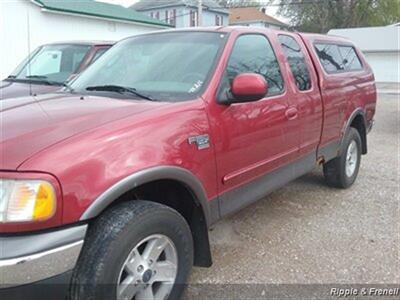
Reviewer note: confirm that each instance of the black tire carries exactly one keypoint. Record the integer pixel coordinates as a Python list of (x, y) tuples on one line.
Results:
[(335, 169), (111, 238)]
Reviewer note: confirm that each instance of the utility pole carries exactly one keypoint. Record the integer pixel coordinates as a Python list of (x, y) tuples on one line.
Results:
[(200, 13)]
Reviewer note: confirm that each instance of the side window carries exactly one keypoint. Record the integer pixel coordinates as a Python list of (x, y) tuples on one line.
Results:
[(99, 53), (338, 58), (297, 62), (351, 61), (72, 57), (330, 57), (253, 53), (77, 58)]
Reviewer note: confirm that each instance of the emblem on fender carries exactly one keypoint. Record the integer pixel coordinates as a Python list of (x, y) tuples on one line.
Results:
[(202, 141)]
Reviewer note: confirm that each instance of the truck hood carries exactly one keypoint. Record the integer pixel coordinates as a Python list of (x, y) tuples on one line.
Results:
[(29, 125), (11, 89)]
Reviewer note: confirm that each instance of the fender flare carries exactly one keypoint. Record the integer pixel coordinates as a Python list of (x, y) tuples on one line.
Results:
[(145, 176), (357, 112)]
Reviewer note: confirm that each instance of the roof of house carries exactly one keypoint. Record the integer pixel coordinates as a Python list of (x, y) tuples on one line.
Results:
[(372, 39), (153, 4), (251, 14), (98, 9)]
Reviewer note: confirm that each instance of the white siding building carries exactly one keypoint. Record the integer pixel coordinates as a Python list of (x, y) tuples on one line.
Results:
[(27, 24), (184, 13), (381, 47)]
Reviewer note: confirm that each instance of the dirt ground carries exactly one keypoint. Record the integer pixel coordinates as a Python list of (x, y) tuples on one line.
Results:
[(308, 233)]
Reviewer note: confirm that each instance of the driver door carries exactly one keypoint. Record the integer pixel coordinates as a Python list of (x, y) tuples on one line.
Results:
[(255, 138)]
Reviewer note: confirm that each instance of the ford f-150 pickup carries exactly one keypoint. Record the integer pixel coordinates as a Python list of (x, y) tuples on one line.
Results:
[(108, 187)]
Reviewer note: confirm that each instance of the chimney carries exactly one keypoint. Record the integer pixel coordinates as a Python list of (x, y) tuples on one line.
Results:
[(263, 10)]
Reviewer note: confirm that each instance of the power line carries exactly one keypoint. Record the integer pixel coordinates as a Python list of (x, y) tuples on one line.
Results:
[(259, 4)]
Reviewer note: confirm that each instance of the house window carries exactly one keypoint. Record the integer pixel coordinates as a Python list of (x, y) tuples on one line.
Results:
[(219, 20), (170, 17), (173, 19), (193, 18)]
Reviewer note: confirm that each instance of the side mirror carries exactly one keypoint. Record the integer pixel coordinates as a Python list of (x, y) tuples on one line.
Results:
[(247, 87)]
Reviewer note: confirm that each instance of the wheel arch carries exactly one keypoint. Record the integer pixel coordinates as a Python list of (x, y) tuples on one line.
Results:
[(358, 121), (199, 222)]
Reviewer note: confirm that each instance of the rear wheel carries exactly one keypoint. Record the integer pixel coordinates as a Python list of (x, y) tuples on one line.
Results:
[(342, 171), (136, 250)]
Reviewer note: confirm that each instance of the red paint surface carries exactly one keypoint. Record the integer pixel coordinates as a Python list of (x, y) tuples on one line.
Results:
[(249, 84), (89, 145)]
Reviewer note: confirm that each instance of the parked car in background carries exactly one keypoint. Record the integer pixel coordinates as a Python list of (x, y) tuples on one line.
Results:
[(50, 66), (110, 186)]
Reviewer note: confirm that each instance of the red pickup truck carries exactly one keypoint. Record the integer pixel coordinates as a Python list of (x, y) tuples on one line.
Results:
[(108, 187)]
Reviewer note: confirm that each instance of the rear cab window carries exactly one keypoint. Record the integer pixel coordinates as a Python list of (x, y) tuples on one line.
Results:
[(338, 58)]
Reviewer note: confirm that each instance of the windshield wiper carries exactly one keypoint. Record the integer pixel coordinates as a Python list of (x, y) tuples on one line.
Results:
[(119, 89), (36, 77), (41, 79), (33, 78)]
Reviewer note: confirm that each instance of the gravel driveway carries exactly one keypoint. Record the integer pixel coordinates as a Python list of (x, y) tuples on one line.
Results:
[(308, 233)]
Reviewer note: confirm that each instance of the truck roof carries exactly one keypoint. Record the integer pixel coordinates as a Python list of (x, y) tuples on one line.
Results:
[(84, 42), (246, 29)]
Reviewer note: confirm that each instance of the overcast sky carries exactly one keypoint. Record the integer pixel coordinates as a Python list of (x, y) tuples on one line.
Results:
[(120, 2)]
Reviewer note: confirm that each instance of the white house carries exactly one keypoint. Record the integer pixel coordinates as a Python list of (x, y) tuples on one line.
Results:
[(26, 24), (184, 13), (381, 47)]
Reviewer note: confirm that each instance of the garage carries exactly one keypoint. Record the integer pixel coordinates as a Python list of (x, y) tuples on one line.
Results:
[(381, 48), (385, 65)]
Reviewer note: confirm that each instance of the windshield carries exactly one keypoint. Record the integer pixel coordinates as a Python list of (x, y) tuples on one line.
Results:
[(51, 63), (165, 66)]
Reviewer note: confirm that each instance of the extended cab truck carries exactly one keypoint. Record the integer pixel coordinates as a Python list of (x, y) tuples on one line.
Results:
[(110, 186)]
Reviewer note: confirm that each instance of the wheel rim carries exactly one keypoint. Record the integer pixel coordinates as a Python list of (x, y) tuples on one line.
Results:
[(351, 158), (149, 271)]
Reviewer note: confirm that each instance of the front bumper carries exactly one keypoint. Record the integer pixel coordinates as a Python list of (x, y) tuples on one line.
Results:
[(32, 258)]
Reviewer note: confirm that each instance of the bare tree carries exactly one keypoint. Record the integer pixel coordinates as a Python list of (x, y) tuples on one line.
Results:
[(322, 15), (239, 3)]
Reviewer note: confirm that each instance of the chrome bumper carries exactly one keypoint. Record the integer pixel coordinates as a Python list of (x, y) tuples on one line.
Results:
[(39, 256)]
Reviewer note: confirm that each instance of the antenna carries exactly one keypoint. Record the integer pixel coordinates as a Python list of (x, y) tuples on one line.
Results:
[(29, 49)]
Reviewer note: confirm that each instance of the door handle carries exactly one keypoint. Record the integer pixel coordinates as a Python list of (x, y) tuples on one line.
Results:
[(291, 113)]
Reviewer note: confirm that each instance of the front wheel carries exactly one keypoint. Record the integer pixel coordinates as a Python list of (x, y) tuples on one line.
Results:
[(136, 250), (342, 171)]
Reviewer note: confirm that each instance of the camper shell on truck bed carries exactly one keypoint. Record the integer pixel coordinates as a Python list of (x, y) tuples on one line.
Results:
[(117, 179)]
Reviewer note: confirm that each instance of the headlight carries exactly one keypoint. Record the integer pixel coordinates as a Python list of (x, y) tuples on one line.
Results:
[(26, 200)]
